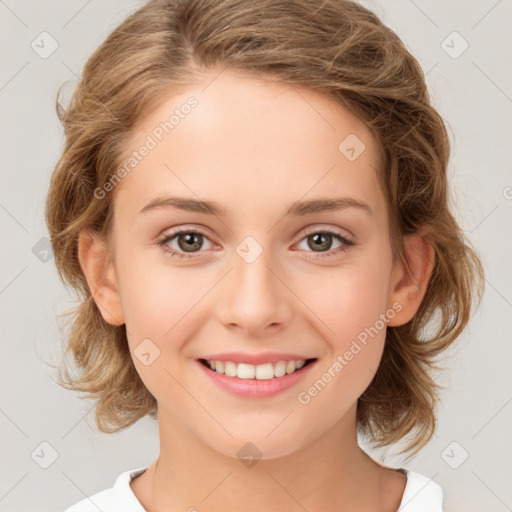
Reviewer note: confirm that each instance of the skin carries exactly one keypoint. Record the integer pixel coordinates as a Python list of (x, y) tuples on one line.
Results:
[(255, 147)]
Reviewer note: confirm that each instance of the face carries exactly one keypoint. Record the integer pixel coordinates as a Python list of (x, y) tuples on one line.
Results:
[(253, 278)]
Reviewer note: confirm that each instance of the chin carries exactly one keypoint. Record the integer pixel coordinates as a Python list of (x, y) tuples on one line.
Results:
[(250, 449)]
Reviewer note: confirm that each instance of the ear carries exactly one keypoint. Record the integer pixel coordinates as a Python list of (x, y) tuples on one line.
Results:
[(409, 282), (101, 276)]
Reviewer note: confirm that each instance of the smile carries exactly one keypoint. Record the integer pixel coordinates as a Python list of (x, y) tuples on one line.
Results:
[(265, 371), (255, 381)]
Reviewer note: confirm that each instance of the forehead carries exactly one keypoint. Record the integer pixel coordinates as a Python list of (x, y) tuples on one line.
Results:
[(248, 142)]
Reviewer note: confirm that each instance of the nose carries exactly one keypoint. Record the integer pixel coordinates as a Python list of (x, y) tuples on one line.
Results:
[(254, 298)]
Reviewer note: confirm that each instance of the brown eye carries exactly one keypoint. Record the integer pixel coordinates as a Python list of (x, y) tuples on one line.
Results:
[(321, 242), (188, 242)]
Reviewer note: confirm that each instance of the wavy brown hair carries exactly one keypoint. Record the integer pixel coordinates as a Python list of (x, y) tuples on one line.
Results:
[(336, 47)]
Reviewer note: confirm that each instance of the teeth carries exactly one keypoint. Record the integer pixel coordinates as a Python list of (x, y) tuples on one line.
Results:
[(219, 366), (261, 372), (245, 371)]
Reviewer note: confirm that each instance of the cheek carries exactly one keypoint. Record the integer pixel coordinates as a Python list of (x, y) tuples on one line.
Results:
[(351, 317), (155, 294), (155, 301), (348, 299), (157, 307), (349, 305)]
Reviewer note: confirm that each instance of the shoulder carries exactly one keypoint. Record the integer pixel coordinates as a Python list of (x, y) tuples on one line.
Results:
[(421, 494), (119, 498)]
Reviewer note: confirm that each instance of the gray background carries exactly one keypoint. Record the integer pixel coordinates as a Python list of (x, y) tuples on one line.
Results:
[(472, 92)]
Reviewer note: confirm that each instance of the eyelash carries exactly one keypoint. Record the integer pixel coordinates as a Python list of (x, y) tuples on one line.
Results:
[(328, 254)]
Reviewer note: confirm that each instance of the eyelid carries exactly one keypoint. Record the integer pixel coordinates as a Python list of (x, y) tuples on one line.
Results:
[(347, 242), (327, 228), (316, 228), (173, 232)]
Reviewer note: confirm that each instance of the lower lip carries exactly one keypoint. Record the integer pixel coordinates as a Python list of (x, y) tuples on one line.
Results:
[(255, 388)]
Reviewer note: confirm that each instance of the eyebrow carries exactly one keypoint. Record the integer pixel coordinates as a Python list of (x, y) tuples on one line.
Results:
[(298, 208)]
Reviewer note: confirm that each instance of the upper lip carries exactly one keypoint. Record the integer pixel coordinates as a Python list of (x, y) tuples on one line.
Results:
[(256, 359)]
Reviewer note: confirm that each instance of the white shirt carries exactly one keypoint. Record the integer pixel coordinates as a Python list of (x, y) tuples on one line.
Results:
[(420, 495)]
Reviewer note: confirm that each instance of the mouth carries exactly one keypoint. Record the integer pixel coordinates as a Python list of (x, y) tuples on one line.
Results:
[(266, 371)]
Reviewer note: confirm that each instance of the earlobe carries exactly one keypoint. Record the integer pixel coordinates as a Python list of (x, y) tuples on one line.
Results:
[(409, 282), (100, 273)]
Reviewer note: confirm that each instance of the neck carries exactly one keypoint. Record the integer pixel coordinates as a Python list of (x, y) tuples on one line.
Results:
[(330, 473)]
